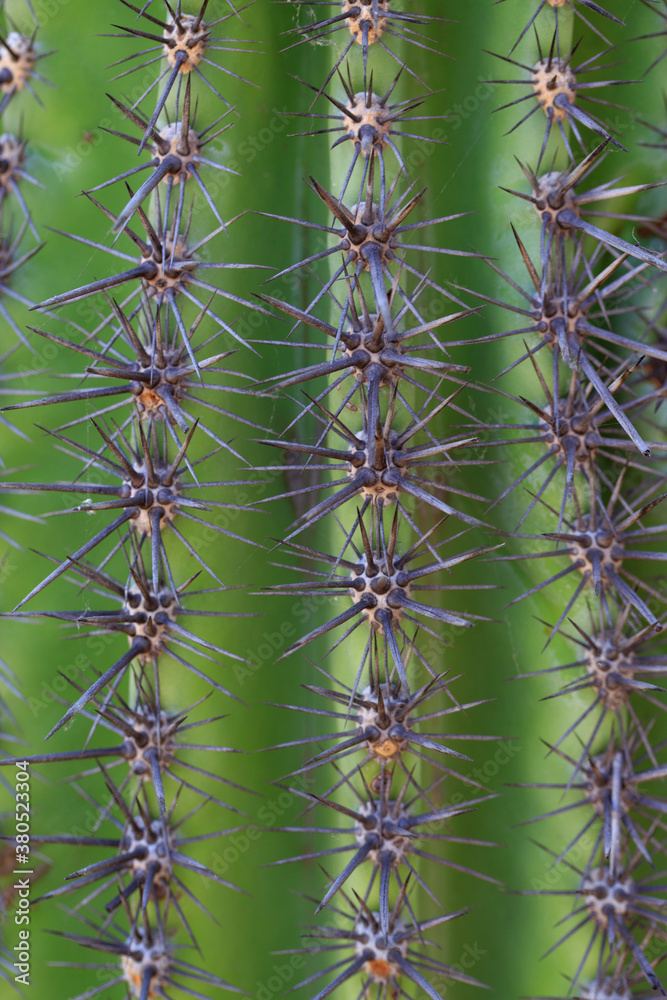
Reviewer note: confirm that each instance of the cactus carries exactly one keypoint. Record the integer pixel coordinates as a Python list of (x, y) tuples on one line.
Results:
[(319, 432)]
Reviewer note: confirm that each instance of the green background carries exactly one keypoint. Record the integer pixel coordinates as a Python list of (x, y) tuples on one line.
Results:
[(67, 152)]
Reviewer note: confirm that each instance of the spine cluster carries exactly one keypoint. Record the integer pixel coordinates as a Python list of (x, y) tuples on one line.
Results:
[(386, 441), (589, 329), (386, 526), (21, 79), (148, 470)]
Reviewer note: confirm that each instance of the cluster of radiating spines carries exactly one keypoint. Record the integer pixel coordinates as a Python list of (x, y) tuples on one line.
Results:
[(382, 400), (561, 206), (384, 585), (581, 8), (595, 484), (381, 718), (156, 490), (149, 766), (166, 265), (177, 153), (142, 741), (141, 462), (150, 962), (152, 615), (371, 125), (619, 833), (363, 23), (556, 83), (20, 55), (148, 854), (166, 269), (372, 241), (575, 436), (386, 836), (388, 960), (151, 367), (189, 44)]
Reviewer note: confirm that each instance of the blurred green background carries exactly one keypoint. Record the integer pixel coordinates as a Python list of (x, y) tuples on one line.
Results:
[(68, 151)]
